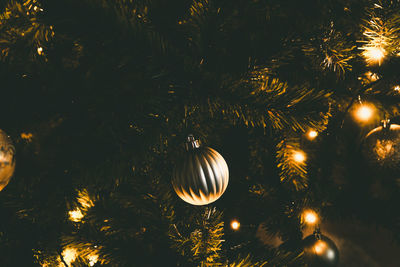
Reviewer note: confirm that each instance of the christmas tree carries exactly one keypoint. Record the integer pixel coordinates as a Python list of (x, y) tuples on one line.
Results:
[(301, 99)]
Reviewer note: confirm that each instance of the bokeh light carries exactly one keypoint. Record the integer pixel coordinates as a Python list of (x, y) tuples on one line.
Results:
[(364, 113), (312, 134), (310, 217), (374, 54), (235, 225), (299, 156)]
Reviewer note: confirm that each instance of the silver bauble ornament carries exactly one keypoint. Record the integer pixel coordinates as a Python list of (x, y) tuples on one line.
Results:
[(320, 251), (381, 146), (202, 176), (7, 159)]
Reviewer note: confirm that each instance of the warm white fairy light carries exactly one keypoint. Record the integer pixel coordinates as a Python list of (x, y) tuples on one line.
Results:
[(310, 217), (364, 113), (93, 258), (75, 215), (378, 39), (312, 134), (69, 255), (85, 202), (374, 54), (40, 50), (371, 77), (299, 156), (235, 225), (397, 88)]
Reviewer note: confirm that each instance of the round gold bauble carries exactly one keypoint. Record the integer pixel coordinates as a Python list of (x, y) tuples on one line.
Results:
[(381, 147), (201, 176), (320, 251), (7, 159)]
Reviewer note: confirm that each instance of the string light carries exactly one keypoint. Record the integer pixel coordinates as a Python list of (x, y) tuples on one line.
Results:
[(299, 156), (371, 77), (40, 50), (312, 134), (235, 225), (93, 258), (69, 255), (86, 202), (310, 217), (364, 113), (75, 215), (374, 54), (397, 88)]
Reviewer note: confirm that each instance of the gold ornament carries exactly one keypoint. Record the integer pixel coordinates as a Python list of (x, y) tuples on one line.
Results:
[(202, 176), (382, 146), (7, 159)]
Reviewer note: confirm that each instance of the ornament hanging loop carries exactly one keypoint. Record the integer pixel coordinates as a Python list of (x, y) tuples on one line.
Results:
[(191, 143), (317, 233), (385, 124)]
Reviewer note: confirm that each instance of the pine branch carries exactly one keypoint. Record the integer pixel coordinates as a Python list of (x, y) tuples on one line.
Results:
[(293, 170), (200, 241), (245, 262), (22, 33)]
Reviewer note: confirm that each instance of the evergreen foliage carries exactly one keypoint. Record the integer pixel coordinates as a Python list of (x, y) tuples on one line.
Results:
[(99, 96)]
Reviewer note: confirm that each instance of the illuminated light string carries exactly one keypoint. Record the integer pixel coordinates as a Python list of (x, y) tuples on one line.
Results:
[(76, 215), (299, 156), (235, 225), (378, 35), (374, 54), (371, 77), (93, 258), (309, 217), (364, 112), (70, 255), (85, 202), (312, 134)]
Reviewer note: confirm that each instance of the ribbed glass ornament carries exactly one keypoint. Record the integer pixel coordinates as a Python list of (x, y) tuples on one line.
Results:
[(202, 176)]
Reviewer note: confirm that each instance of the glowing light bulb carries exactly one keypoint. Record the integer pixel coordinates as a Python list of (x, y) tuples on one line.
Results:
[(310, 217), (40, 50), (75, 215), (93, 258), (235, 225), (69, 255), (371, 77), (312, 134), (374, 54), (299, 156), (397, 88), (364, 113)]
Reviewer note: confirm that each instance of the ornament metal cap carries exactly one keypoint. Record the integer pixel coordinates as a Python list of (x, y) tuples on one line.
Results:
[(385, 124), (317, 233), (191, 143)]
